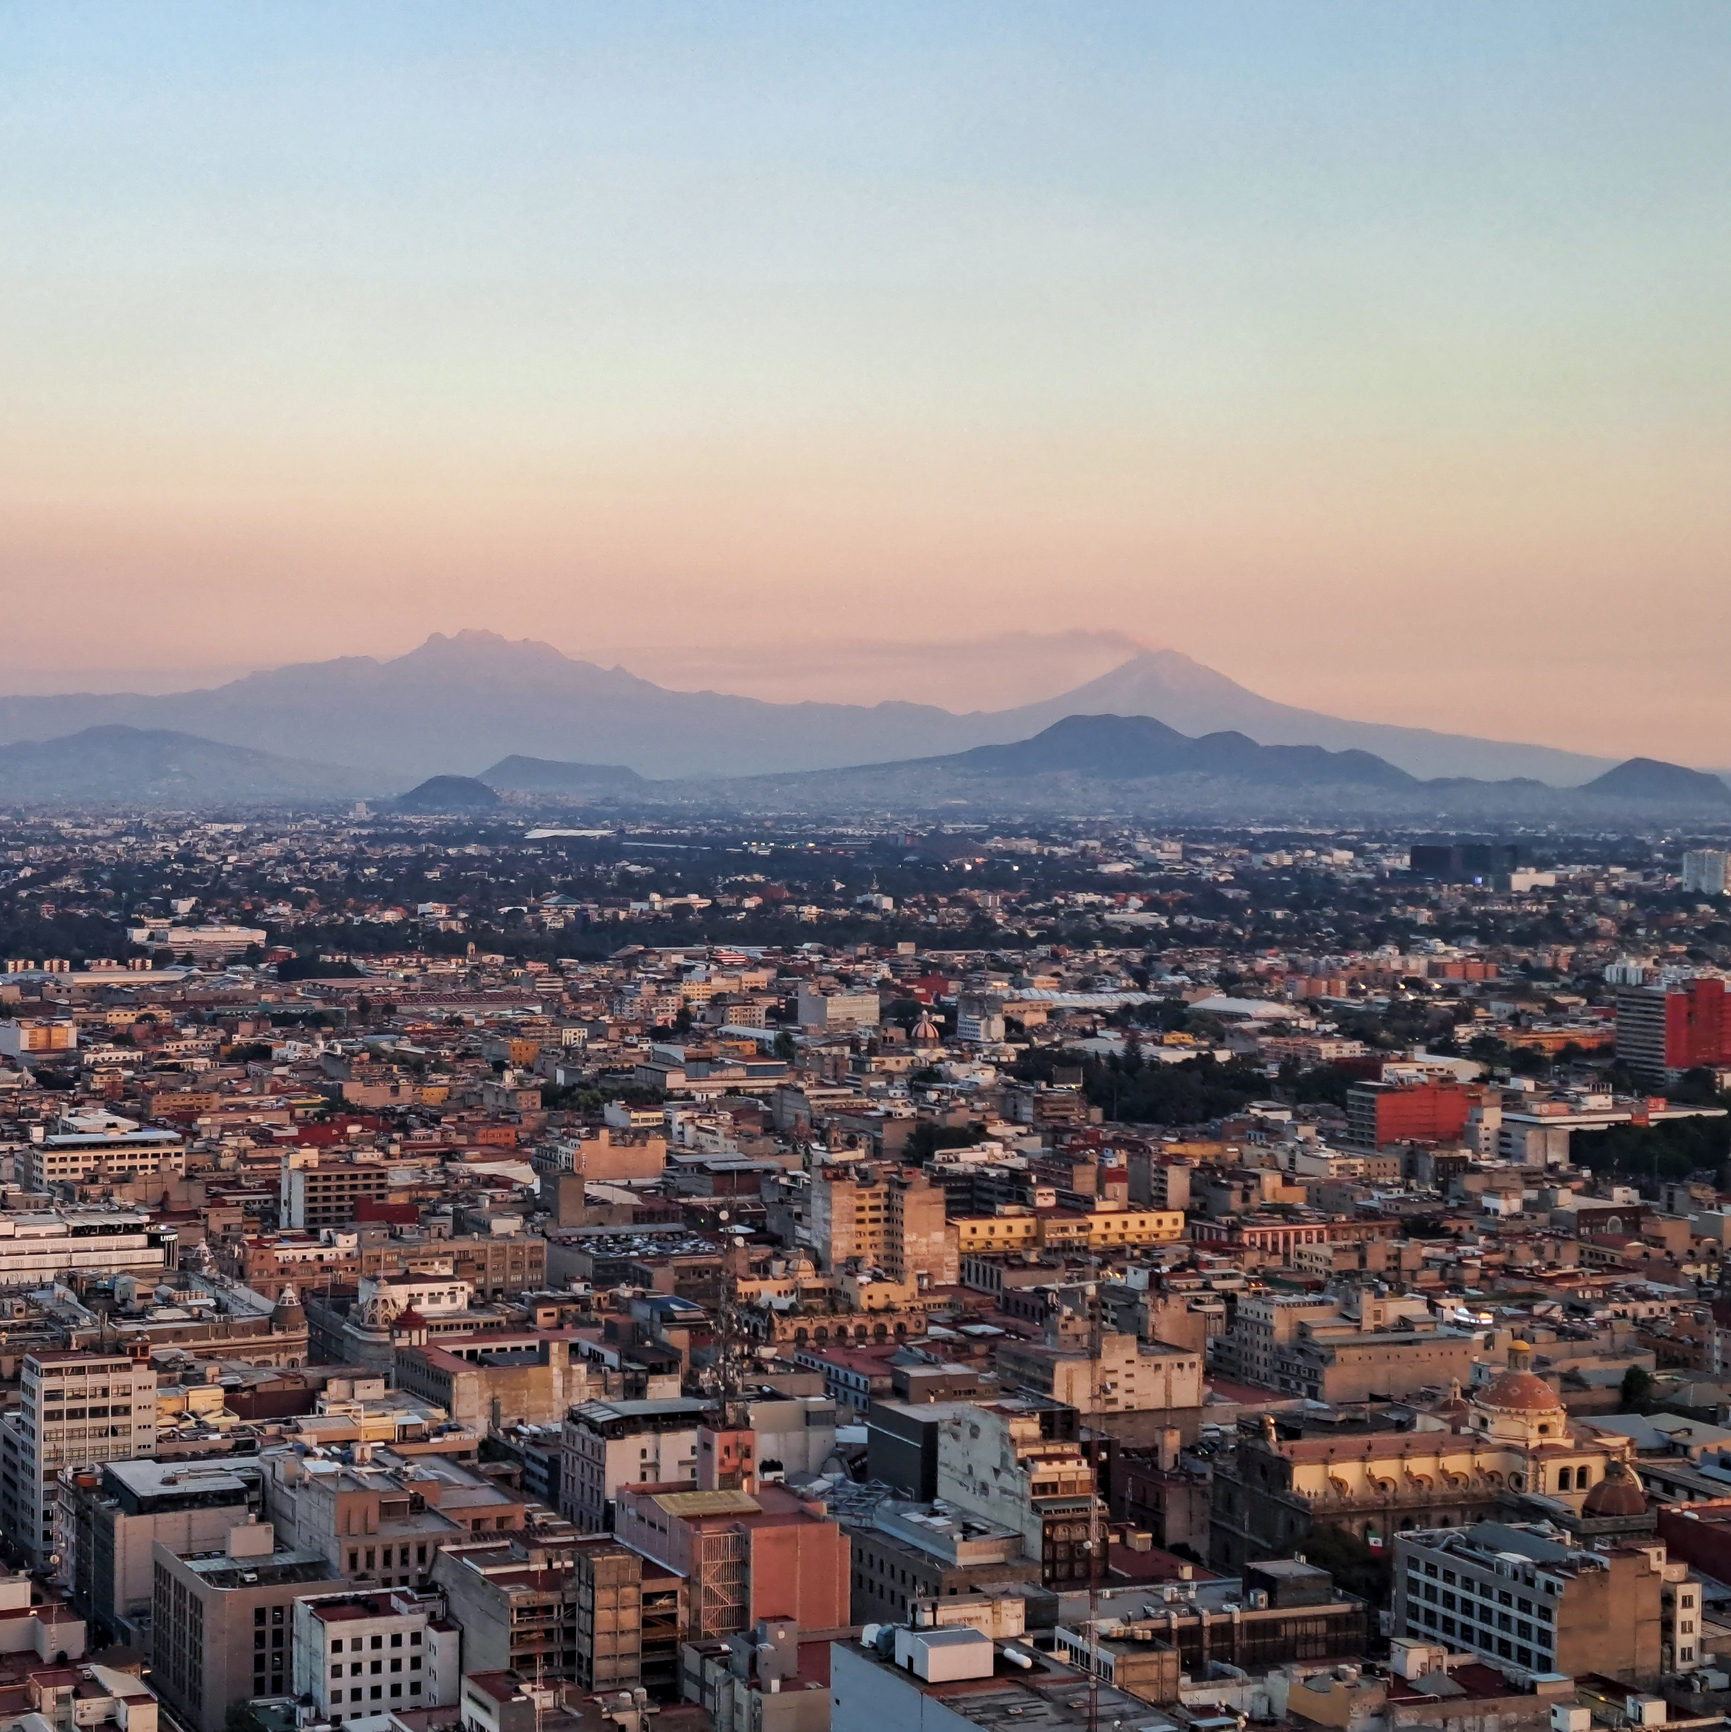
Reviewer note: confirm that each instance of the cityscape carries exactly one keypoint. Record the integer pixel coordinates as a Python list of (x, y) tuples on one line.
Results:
[(865, 868)]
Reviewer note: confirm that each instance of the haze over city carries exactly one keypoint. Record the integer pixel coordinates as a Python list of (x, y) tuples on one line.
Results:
[(1372, 356)]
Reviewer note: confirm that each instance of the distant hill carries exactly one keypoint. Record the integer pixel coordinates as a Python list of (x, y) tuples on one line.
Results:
[(449, 794), (460, 702), (158, 767), (1652, 779), (1129, 748), (520, 775), (1109, 763)]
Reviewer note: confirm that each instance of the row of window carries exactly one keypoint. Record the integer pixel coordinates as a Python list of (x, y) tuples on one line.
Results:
[(1504, 1647)]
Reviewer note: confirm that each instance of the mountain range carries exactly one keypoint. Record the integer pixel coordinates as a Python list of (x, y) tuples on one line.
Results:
[(334, 730), (458, 704)]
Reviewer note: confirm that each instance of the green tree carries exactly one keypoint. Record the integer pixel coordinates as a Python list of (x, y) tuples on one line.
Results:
[(1637, 1387)]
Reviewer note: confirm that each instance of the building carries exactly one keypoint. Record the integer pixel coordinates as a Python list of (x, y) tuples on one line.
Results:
[(110, 1518), (322, 1190), (763, 1680), (609, 1444), (383, 1522), (908, 1552), (1662, 1030), (1008, 1462), (1464, 862), (1517, 1595), (1454, 1468), (359, 1655), (743, 1555), (80, 1157), (571, 1610), (955, 1680), (889, 1218), (1279, 1611), (222, 1622), (1382, 1114), (31, 1040), (74, 1408), (501, 1378), (837, 1010), (1264, 1326), (1130, 1388), (39, 1246), (1703, 871)]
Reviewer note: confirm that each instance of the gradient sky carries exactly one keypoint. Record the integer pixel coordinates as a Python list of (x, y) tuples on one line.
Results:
[(1376, 355)]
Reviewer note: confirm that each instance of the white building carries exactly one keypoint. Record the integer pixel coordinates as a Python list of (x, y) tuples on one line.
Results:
[(1704, 871), (607, 1444), (34, 1038), (76, 1156), (362, 1654), (73, 1408), (37, 1247)]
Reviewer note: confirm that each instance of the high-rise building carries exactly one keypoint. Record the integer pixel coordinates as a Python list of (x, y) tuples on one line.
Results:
[(1662, 1030), (1704, 871), (890, 1218), (1380, 1114), (73, 1408)]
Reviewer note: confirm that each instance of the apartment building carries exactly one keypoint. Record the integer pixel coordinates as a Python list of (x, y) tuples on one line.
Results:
[(609, 1444), (1003, 1461), (321, 1190), (108, 1519), (877, 1216), (222, 1622), (363, 1654), (32, 1039), (1515, 1594), (74, 1408)]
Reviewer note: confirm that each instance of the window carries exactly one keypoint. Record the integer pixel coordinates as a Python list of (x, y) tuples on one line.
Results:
[(337, 1645)]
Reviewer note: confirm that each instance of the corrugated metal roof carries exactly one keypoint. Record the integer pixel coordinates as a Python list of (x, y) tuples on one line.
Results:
[(699, 1503)]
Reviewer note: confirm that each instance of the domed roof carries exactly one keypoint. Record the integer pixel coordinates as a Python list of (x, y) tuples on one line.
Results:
[(1619, 1493), (1517, 1390)]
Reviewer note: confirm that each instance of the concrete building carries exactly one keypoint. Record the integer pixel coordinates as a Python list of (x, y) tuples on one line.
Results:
[(759, 1681), (875, 1216), (1513, 1593), (501, 1378), (573, 1610), (1279, 1611), (836, 1010), (321, 1190), (110, 1518), (609, 1444), (81, 1157), (743, 1555), (34, 1039), (74, 1408), (366, 1654), (1003, 1461), (1662, 1030), (382, 1519), (40, 1245), (221, 1622), (908, 1552), (1131, 1389), (1704, 871)]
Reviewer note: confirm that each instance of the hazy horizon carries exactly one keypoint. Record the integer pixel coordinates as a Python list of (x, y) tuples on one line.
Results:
[(1372, 357)]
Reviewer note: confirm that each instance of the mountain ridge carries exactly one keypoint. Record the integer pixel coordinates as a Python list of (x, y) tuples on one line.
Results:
[(464, 702)]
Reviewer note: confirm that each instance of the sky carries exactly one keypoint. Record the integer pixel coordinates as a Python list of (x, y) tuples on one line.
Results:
[(1375, 355)]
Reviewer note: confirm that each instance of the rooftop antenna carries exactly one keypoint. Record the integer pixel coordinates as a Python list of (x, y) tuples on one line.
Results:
[(1096, 1347)]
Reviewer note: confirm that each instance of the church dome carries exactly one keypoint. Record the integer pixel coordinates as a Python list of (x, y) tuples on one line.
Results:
[(1517, 1390), (1619, 1493)]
